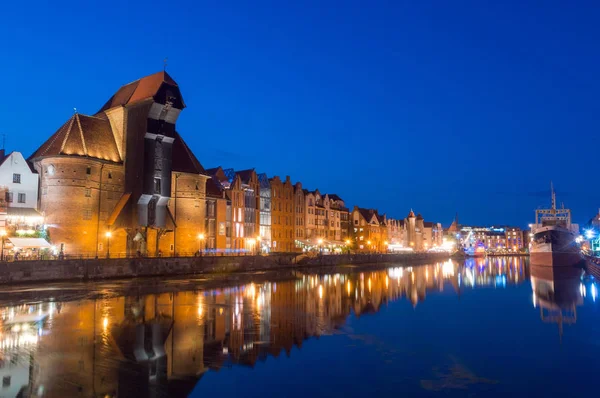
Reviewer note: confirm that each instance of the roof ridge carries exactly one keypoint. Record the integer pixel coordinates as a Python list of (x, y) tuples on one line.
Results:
[(62, 146), (85, 152)]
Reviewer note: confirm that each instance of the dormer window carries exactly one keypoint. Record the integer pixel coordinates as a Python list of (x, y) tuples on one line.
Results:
[(50, 170)]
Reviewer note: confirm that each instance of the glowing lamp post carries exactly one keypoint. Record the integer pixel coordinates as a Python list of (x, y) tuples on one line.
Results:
[(201, 238), (252, 243), (3, 234), (108, 236)]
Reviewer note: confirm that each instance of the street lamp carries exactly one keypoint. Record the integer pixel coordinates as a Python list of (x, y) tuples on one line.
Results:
[(3, 234), (108, 236), (200, 241), (252, 242)]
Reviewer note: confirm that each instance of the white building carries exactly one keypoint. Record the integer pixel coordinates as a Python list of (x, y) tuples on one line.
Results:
[(21, 182), (19, 188)]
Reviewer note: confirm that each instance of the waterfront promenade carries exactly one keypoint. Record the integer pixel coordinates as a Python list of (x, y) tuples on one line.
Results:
[(122, 268)]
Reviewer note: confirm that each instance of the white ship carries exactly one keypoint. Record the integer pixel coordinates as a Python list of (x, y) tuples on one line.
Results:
[(553, 243)]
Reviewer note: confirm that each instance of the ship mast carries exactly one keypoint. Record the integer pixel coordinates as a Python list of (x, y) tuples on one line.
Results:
[(553, 197)]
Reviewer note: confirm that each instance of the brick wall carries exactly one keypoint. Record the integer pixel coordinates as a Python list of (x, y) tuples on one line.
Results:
[(77, 204), (37, 271)]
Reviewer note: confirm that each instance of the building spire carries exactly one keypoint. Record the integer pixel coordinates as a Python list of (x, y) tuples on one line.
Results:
[(165, 64)]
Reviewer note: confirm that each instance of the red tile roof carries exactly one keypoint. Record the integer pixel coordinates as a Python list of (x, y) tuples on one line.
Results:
[(213, 188), (183, 159), (139, 90), (245, 175), (81, 135)]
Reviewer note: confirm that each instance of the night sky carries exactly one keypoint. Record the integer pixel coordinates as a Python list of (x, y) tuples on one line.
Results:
[(442, 106)]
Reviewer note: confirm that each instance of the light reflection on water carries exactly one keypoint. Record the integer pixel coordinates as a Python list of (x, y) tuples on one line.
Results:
[(116, 341)]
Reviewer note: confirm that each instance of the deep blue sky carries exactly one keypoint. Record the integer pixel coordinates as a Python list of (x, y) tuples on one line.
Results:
[(444, 107)]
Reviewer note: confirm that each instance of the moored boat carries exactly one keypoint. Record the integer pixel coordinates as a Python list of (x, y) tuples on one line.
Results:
[(554, 238)]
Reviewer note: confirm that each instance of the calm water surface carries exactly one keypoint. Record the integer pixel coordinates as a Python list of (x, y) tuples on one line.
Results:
[(483, 328)]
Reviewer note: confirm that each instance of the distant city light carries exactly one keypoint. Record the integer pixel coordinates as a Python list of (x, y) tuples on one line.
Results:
[(589, 234)]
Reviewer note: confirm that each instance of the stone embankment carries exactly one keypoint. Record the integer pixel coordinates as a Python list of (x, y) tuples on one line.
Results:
[(122, 268)]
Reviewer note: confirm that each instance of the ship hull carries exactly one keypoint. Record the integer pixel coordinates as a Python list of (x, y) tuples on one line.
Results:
[(554, 259), (554, 247)]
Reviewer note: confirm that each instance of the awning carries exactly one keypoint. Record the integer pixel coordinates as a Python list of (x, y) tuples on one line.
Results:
[(23, 212), (304, 242), (118, 208), (28, 243)]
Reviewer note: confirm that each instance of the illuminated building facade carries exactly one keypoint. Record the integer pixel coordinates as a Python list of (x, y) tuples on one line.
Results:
[(514, 238), (299, 216), (433, 235), (242, 189), (369, 230), (19, 198), (265, 211), (123, 176), (283, 215), (496, 238), (215, 239)]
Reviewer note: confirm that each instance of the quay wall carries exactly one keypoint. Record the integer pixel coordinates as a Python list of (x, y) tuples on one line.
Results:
[(123, 268)]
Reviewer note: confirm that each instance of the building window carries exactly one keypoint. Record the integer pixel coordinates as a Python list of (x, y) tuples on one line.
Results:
[(88, 192), (9, 197), (21, 198), (50, 170), (16, 178), (87, 214), (157, 185), (88, 170), (109, 175)]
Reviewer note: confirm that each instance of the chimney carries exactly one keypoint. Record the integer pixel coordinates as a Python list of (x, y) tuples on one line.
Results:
[(2, 155)]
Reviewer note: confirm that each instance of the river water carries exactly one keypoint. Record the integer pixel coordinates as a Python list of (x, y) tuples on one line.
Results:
[(486, 327)]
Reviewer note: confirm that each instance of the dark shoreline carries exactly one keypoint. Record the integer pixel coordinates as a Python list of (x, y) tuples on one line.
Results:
[(72, 290), (97, 270)]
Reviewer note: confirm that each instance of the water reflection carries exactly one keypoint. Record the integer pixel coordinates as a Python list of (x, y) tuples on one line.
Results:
[(161, 344), (558, 291)]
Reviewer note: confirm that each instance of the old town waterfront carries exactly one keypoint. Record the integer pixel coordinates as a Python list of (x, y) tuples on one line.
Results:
[(435, 326)]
